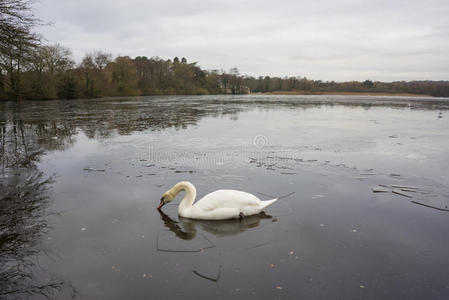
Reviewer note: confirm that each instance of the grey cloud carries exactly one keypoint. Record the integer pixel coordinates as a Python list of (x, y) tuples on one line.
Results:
[(330, 40)]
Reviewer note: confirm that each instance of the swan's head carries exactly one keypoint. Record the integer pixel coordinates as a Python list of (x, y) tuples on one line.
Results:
[(167, 197)]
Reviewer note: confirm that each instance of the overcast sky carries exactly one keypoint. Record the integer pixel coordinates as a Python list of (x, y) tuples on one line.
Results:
[(329, 40)]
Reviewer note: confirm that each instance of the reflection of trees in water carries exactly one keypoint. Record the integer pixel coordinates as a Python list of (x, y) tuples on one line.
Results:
[(103, 118), (23, 203), (55, 122), (22, 224), (24, 139), (15, 148)]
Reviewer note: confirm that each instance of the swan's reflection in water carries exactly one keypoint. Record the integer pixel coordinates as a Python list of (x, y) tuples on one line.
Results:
[(186, 229)]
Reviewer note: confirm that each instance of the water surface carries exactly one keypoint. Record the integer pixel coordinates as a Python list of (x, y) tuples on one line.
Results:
[(81, 181)]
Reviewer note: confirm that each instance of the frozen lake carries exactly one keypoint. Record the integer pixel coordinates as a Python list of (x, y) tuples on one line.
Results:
[(80, 182)]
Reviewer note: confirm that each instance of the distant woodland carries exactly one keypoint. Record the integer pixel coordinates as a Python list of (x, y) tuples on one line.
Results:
[(31, 69)]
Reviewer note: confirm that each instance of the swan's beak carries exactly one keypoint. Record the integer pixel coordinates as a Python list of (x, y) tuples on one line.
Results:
[(162, 203)]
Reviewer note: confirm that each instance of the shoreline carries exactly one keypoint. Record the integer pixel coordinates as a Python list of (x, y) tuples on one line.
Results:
[(281, 93)]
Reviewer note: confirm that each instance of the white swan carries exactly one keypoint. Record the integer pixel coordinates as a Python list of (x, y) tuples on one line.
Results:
[(218, 205)]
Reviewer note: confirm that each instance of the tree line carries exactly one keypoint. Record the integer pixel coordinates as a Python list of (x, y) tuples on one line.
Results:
[(49, 72), (30, 69), (308, 86)]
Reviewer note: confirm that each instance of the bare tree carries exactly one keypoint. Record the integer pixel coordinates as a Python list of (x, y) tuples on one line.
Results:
[(47, 66), (101, 59), (16, 42)]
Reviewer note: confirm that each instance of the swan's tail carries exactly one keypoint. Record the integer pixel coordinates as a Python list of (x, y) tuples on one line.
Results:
[(268, 202)]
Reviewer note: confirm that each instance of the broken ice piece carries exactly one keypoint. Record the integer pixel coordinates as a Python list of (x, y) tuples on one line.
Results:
[(431, 206), (399, 192), (380, 189), (405, 187), (89, 169)]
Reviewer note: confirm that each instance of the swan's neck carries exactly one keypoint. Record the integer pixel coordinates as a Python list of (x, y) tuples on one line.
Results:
[(189, 197)]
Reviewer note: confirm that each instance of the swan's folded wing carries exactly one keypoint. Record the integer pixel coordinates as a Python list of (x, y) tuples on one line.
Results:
[(227, 199)]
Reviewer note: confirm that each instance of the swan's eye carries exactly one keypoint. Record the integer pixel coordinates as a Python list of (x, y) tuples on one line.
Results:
[(162, 199)]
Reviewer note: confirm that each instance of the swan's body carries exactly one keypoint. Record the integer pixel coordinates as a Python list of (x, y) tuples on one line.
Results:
[(218, 205)]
